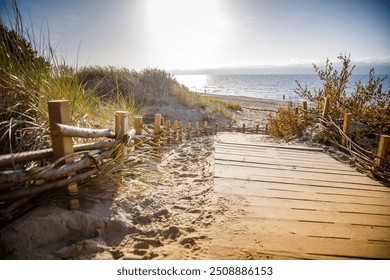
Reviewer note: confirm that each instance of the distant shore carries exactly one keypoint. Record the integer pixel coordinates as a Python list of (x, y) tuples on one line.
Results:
[(254, 110)]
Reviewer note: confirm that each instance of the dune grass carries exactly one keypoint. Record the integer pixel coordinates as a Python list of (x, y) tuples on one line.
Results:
[(31, 75)]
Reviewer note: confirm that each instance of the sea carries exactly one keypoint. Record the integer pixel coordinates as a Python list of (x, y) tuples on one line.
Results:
[(269, 86)]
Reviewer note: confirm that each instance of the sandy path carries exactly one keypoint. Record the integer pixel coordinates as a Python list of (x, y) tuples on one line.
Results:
[(170, 212)]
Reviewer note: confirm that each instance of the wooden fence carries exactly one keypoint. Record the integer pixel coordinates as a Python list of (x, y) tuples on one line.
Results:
[(71, 164), (67, 165), (376, 163)]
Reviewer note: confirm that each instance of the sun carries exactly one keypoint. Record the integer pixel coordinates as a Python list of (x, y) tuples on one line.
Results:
[(185, 34)]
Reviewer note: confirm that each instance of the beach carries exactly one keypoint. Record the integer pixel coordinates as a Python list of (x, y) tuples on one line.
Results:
[(167, 210), (167, 213)]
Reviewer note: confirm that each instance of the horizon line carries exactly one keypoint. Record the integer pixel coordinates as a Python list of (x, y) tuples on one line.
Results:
[(360, 68)]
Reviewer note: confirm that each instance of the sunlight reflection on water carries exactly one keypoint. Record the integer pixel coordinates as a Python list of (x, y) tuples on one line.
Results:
[(270, 86)]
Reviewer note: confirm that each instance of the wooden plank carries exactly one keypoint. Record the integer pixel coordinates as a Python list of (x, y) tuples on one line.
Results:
[(298, 185), (320, 216), (247, 188), (285, 161), (298, 203), (248, 169), (282, 226), (267, 146), (314, 205), (314, 183), (310, 246)]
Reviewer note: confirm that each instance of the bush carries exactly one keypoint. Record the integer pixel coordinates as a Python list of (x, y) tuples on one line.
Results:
[(369, 104), (287, 123)]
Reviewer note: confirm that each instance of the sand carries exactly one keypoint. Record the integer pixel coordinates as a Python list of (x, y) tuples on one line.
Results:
[(171, 212)]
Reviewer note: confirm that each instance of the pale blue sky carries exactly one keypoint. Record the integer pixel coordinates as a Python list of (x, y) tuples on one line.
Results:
[(197, 34)]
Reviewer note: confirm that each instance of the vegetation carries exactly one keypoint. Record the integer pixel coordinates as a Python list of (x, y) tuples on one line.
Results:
[(31, 75), (369, 104), (287, 123)]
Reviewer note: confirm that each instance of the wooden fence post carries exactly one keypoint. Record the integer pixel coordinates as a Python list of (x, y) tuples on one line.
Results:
[(325, 110), (157, 123), (243, 128), (205, 128), (383, 150), (257, 128), (346, 128), (59, 112), (175, 127), (121, 127), (138, 124), (216, 128), (168, 129), (230, 126), (196, 128), (188, 130), (157, 126), (304, 106), (180, 131)]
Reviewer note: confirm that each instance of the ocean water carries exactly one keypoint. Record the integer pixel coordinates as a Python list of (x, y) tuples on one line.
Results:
[(271, 86)]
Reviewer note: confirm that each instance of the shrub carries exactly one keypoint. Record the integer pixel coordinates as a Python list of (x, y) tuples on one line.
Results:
[(369, 104), (287, 123)]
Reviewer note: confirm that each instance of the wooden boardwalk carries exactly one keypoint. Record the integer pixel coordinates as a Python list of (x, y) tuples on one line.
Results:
[(300, 203)]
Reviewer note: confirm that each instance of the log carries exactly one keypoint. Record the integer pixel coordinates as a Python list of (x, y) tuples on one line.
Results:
[(58, 129), (13, 159), (48, 186), (13, 177)]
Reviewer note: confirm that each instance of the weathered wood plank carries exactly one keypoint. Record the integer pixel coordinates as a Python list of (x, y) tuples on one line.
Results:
[(282, 226), (243, 187), (300, 203), (291, 162), (314, 205), (297, 185), (239, 168), (311, 247)]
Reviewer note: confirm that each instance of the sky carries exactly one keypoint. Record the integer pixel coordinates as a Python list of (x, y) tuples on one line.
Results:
[(219, 36)]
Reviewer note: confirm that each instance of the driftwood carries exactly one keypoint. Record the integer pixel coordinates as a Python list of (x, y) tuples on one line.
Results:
[(13, 177), (72, 131)]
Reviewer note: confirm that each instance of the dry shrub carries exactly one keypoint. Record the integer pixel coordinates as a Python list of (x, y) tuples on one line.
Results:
[(369, 103), (287, 123)]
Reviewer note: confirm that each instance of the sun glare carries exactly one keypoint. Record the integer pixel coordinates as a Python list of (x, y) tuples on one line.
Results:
[(185, 31)]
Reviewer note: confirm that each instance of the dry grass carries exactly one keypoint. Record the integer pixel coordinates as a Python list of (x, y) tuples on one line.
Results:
[(196, 100)]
